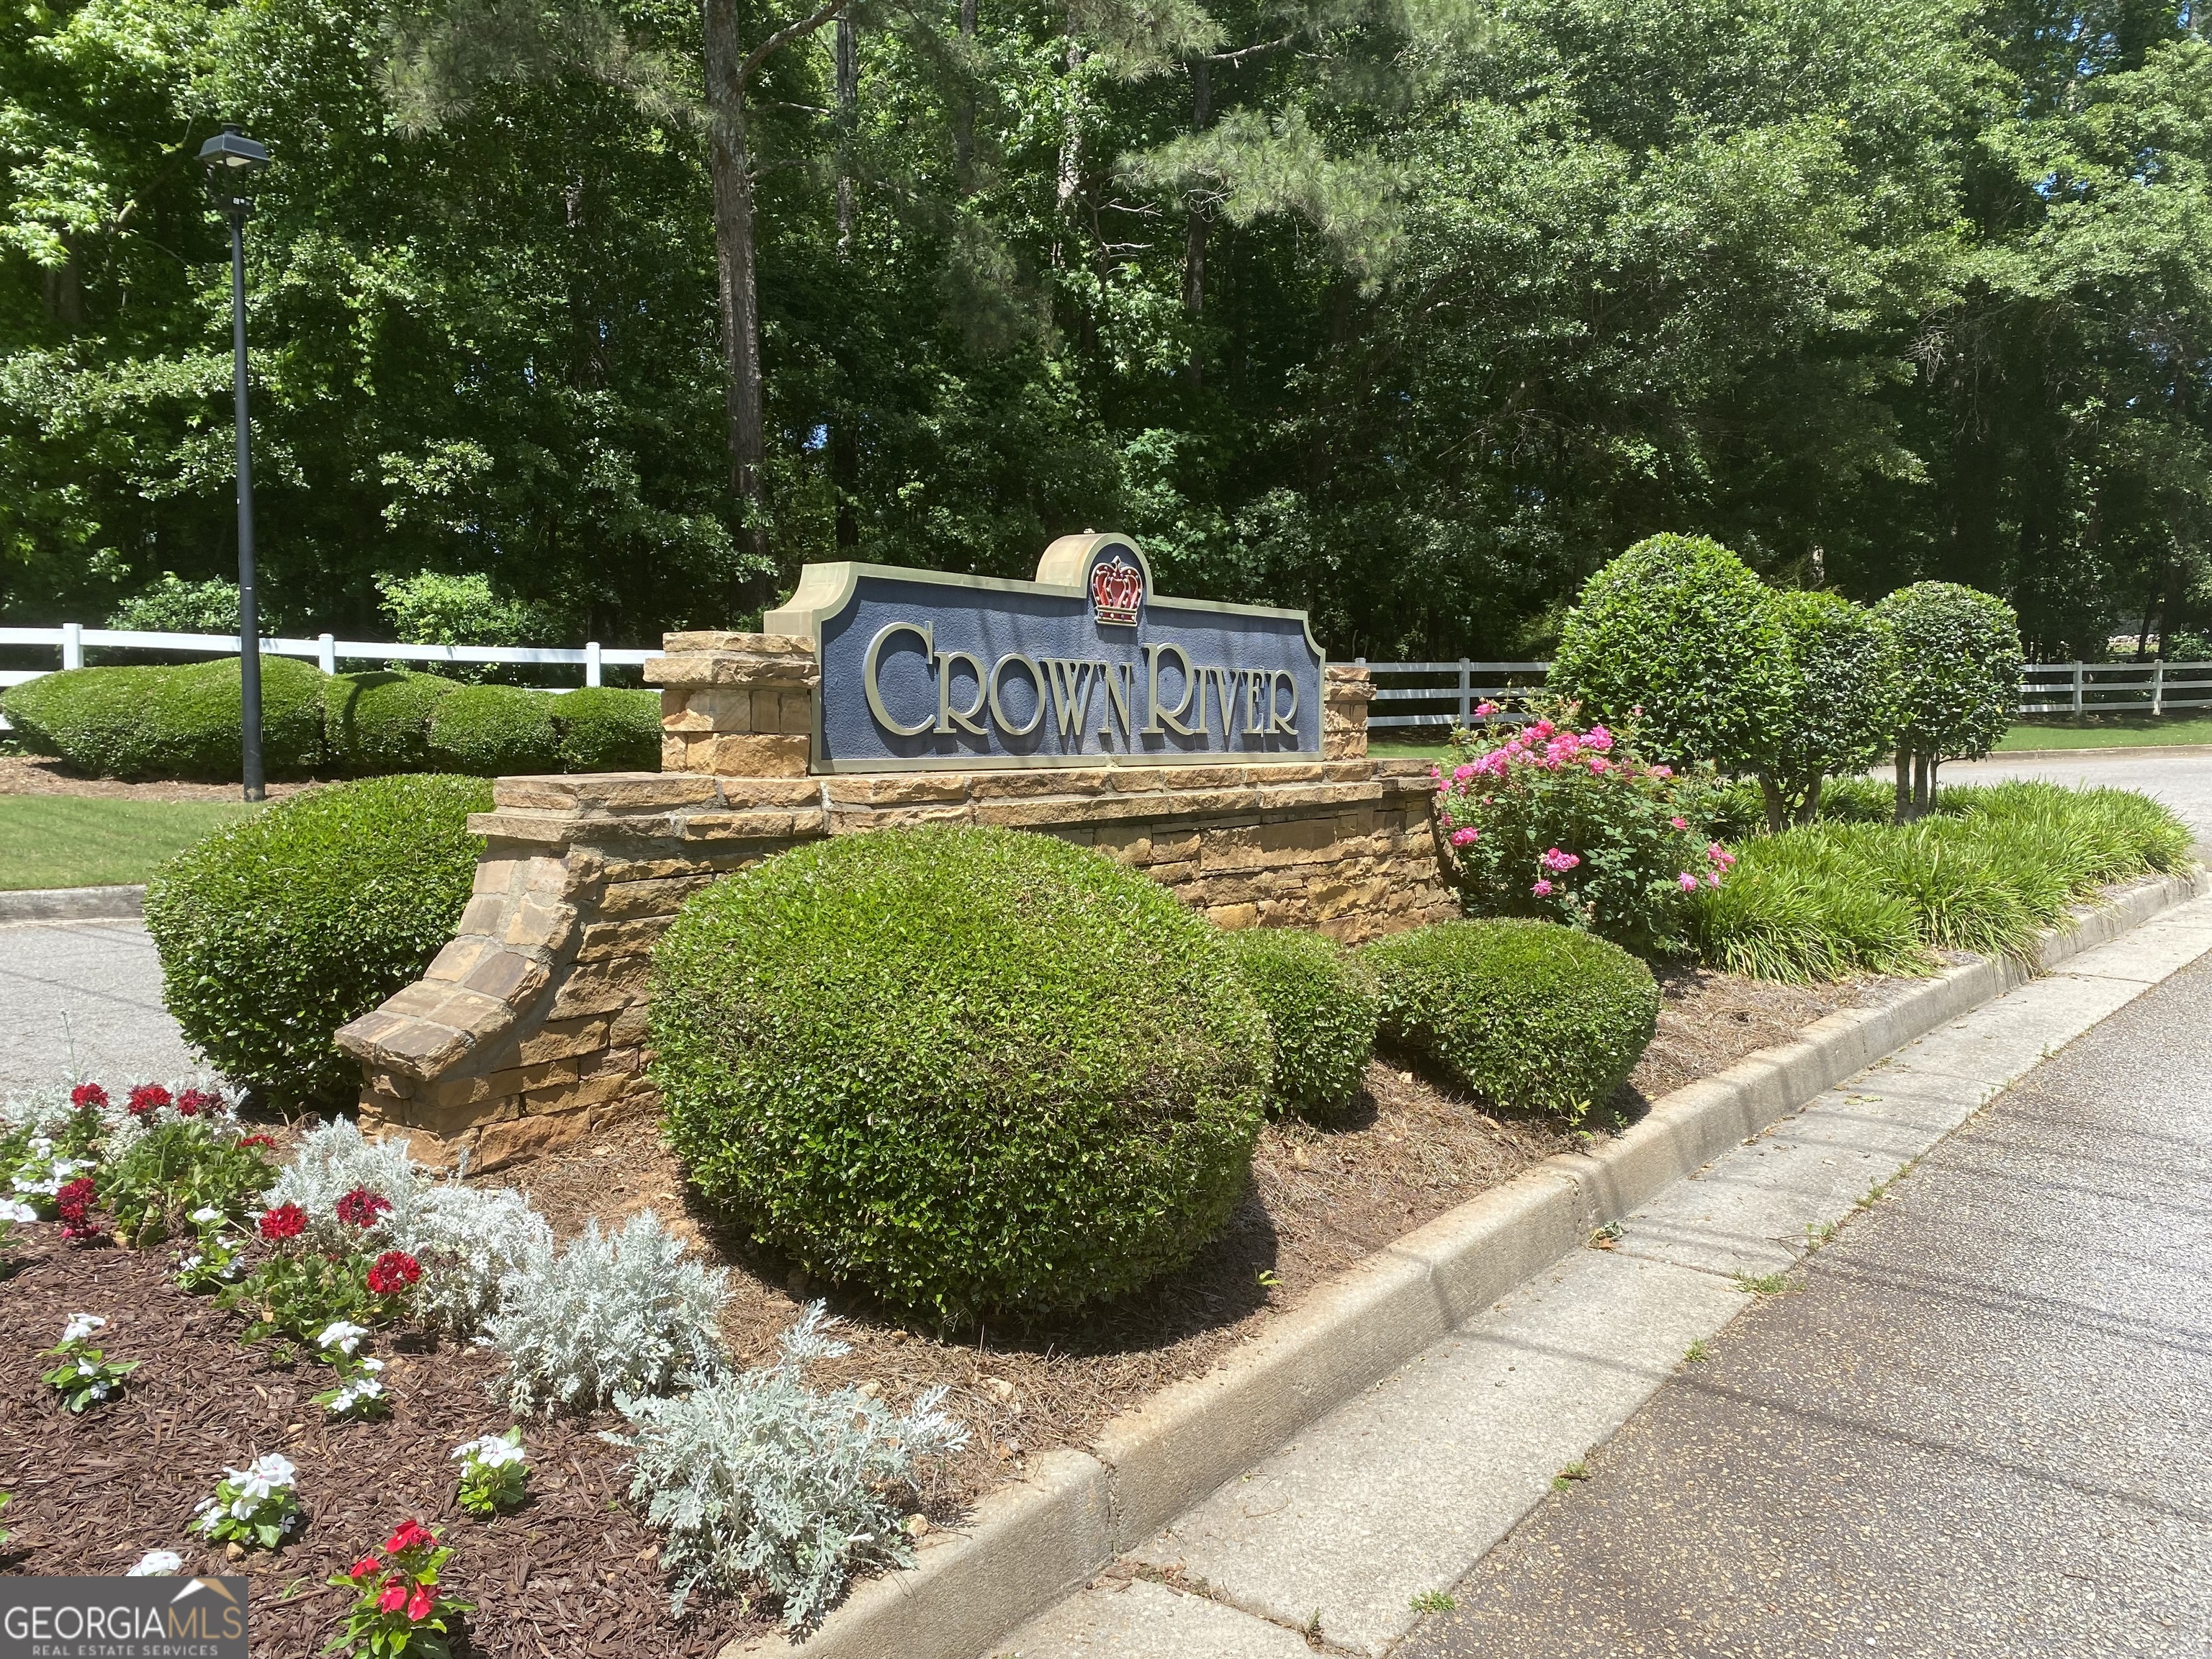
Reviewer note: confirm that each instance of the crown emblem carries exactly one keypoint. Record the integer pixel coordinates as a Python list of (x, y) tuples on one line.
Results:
[(1116, 590)]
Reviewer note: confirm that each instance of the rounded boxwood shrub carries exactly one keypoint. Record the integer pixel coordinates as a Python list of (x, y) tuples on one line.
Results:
[(1527, 1015), (491, 731), (380, 722), (605, 728), (964, 1069), (1321, 1006), (279, 928), (134, 723)]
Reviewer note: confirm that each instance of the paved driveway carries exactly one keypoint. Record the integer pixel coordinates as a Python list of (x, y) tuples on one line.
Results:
[(83, 999), (2183, 781)]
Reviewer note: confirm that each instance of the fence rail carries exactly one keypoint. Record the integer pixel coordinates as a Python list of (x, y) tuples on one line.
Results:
[(1442, 694), (71, 639)]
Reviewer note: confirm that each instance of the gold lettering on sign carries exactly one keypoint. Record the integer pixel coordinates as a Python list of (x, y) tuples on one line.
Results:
[(1170, 719), (1120, 683), (998, 709), (1280, 720), (1072, 679), (869, 671), (947, 715)]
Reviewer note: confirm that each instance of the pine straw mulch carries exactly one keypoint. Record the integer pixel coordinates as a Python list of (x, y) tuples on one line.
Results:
[(574, 1572), (36, 775)]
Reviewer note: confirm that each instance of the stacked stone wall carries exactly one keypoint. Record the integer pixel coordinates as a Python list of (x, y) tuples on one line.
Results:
[(530, 1029)]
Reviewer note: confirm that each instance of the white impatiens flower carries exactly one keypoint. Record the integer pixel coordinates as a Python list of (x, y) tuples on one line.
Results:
[(80, 1326), (339, 1337), (157, 1564), (492, 1450)]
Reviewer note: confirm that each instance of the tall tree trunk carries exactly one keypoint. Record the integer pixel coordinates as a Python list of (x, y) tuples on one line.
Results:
[(848, 55), (1194, 245), (1071, 149), (729, 168), (1778, 809), (964, 123), (1904, 813)]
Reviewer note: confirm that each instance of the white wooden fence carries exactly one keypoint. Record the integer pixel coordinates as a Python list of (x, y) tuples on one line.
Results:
[(1436, 695)]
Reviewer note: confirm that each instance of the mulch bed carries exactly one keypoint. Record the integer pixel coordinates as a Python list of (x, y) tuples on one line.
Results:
[(574, 1572), (34, 774)]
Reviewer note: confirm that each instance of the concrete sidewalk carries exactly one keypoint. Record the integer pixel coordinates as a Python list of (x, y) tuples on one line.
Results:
[(1391, 1500), (83, 999)]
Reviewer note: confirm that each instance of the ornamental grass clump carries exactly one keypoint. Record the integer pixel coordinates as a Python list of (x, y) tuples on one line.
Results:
[(758, 1479), (1526, 1015), (1570, 825), (1320, 1006), (964, 1069), (622, 1313)]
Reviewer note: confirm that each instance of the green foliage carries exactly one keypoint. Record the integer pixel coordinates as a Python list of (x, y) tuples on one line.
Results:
[(301, 1293), (1841, 713), (1992, 868), (962, 1069), (1681, 628), (172, 605), (605, 728), (1321, 1006), (174, 1170), (85, 1376), (1958, 662), (276, 931), (381, 722), (495, 730), (136, 723), (1575, 827), (1526, 1015)]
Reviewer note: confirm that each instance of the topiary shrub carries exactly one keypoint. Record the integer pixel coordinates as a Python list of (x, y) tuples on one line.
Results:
[(1526, 1015), (964, 1069), (134, 723), (1841, 714), (605, 728), (1957, 659), (276, 930), (491, 731), (1320, 1006), (1681, 628), (381, 722)]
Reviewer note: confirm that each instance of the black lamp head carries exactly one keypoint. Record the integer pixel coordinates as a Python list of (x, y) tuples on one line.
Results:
[(232, 161)]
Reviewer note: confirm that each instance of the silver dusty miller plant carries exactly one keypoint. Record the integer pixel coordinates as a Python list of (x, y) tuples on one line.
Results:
[(333, 1159), (621, 1312), (758, 1479)]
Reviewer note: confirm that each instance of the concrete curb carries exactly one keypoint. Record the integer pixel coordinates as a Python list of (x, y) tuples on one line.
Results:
[(1034, 1541), (73, 904)]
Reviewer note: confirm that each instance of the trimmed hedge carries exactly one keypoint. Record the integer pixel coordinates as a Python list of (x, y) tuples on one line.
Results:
[(964, 1069), (279, 928), (495, 730), (1529, 1016), (140, 723), (380, 722), (1322, 1005), (605, 728)]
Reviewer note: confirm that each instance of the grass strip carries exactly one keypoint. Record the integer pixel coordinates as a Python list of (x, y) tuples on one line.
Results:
[(97, 841)]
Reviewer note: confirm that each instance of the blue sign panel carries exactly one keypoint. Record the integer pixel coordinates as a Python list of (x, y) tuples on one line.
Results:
[(1085, 666)]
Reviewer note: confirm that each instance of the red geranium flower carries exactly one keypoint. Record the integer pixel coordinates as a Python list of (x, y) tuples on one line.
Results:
[(285, 1221), (146, 1098), (256, 1140), (394, 1596), (360, 1208), (193, 1101), (395, 1270), (88, 1095), (418, 1604), (408, 1534), (74, 1199)]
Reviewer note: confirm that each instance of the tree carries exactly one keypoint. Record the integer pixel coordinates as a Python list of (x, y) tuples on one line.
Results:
[(1840, 715), (1679, 629), (1957, 661)]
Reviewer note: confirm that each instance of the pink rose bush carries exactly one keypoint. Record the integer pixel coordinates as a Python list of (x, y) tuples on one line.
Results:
[(1570, 824)]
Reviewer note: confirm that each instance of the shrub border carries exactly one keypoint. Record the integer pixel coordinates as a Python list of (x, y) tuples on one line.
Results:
[(1033, 1542)]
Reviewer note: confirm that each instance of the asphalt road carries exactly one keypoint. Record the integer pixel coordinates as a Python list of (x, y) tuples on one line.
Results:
[(1978, 1428), (84, 999), (2183, 781)]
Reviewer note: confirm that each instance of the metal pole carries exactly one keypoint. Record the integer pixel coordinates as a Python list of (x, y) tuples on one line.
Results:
[(249, 617)]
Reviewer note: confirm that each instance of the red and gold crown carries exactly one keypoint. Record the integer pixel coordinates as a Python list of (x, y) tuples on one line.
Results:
[(1116, 590)]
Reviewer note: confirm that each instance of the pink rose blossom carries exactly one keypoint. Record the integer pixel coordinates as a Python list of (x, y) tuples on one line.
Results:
[(1464, 837), (1541, 889), (1712, 878), (1556, 860), (1663, 771), (1680, 824), (1686, 882)]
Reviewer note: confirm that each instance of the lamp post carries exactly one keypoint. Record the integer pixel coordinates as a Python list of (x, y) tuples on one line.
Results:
[(234, 161)]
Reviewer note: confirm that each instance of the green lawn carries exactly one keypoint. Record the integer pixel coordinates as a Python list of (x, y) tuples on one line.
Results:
[(2108, 732), (94, 841)]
